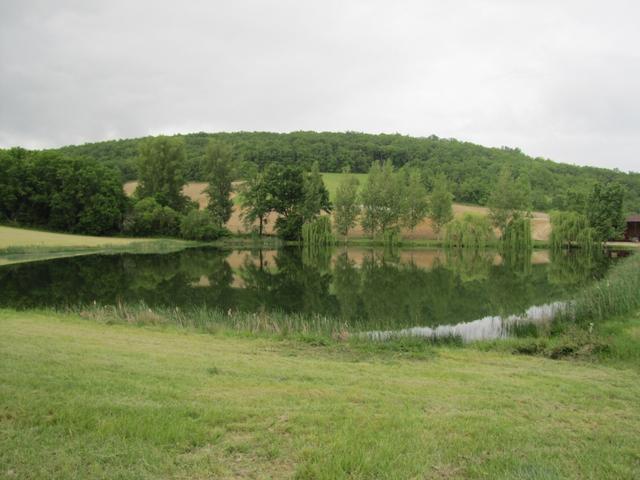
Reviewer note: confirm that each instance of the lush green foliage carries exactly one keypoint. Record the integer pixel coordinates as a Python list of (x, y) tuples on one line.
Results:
[(316, 195), (294, 195), (317, 232), (472, 169), (50, 191), (470, 231), (441, 209), (218, 171), (347, 206), (201, 225), (616, 294), (416, 200), (509, 200), (255, 201), (571, 228), (285, 196), (605, 212), (149, 218), (383, 199), (161, 171), (517, 235)]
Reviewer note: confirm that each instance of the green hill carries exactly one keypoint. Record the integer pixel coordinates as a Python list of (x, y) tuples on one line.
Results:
[(472, 168)]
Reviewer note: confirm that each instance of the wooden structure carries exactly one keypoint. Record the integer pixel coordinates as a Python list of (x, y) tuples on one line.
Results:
[(632, 232)]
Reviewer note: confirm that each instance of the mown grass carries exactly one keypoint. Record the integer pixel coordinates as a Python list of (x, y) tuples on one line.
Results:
[(81, 399), (19, 245), (11, 237)]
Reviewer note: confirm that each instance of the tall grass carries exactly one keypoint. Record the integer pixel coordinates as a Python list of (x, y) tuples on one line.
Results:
[(318, 232), (213, 320), (616, 294)]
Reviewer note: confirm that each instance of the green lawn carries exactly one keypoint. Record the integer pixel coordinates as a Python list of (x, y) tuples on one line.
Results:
[(19, 245), (21, 237), (80, 399)]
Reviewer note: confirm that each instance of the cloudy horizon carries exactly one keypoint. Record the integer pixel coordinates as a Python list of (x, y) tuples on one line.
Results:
[(558, 81)]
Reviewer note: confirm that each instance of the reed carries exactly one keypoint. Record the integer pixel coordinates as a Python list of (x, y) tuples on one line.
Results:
[(391, 238), (318, 232), (616, 294)]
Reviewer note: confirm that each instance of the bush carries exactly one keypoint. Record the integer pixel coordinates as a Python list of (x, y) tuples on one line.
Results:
[(148, 217), (290, 227), (201, 225)]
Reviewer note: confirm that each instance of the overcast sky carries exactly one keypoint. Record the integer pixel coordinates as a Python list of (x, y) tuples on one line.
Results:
[(558, 79)]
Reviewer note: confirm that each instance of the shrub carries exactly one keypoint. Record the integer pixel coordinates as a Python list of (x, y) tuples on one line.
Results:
[(290, 227), (148, 217), (201, 225)]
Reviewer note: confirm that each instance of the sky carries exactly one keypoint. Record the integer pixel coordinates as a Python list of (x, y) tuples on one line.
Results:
[(557, 79)]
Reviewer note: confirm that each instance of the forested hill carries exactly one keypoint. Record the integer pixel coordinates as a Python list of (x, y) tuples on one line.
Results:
[(471, 168)]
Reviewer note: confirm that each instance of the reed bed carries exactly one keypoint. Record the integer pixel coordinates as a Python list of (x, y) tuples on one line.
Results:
[(616, 294), (211, 320)]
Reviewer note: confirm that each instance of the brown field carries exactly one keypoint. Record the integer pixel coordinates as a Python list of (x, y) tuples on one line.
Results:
[(540, 225)]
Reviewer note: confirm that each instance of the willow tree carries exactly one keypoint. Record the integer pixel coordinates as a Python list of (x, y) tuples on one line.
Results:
[(470, 231), (571, 229)]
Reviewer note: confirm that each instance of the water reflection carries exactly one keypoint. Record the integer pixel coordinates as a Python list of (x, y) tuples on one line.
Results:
[(366, 288), (487, 328)]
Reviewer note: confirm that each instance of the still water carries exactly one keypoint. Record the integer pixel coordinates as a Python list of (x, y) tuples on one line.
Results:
[(378, 291)]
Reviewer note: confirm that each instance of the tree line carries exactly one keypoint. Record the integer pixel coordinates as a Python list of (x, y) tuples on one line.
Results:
[(82, 195), (472, 169)]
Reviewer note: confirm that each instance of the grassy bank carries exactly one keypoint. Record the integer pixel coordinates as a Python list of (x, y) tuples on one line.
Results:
[(18, 245), (86, 400)]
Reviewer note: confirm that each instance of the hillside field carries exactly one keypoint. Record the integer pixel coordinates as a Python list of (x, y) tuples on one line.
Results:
[(540, 226), (19, 237)]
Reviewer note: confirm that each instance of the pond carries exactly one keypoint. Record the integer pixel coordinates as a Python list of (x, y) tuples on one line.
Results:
[(366, 289)]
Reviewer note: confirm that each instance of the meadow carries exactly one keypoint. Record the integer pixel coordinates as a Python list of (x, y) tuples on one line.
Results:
[(82, 399)]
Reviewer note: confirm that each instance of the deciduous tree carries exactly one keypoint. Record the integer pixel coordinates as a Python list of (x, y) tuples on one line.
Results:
[(347, 207), (161, 171), (417, 201), (218, 168), (441, 204)]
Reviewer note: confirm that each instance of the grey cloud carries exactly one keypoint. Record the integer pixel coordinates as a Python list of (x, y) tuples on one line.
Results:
[(557, 79)]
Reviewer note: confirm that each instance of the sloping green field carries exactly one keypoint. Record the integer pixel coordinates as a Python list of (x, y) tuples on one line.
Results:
[(20, 237), (332, 180), (86, 400)]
